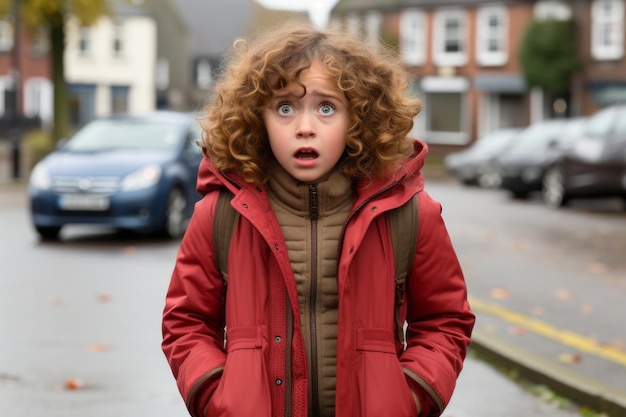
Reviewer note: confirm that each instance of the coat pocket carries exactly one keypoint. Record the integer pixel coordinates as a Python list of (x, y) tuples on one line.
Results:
[(382, 389), (243, 389)]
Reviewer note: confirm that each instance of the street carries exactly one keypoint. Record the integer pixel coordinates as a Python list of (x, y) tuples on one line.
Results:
[(81, 317)]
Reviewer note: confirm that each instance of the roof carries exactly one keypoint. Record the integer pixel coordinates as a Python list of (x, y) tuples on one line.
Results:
[(345, 6)]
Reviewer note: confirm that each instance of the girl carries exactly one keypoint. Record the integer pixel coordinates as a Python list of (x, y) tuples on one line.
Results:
[(308, 130)]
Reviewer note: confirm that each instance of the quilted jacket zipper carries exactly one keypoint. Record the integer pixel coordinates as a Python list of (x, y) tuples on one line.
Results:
[(314, 214)]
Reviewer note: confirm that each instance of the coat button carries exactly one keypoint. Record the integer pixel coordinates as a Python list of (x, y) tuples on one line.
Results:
[(278, 381), (245, 205), (278, 339)]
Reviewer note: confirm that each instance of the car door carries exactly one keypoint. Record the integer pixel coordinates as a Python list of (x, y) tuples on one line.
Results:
[(594, 162)]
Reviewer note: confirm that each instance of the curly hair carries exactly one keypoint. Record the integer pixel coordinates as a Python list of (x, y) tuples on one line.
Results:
[(374, 83)]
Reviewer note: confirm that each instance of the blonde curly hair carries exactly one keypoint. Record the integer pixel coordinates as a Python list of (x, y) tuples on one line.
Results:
[(374, 83)]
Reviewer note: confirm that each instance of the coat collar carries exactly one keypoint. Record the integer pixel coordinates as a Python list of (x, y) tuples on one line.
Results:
[(407, 181)]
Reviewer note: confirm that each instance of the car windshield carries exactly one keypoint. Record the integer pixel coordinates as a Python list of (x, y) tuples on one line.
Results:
[(538, 134), (495, 140), (124, 134)]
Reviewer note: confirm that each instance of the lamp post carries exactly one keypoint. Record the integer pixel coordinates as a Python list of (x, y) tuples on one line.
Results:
[(14, 108)]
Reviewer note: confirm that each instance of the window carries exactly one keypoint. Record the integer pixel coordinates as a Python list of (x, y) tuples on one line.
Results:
[(40, 41), (6, 35), (445, 114), (356, 27), (412, 37), (552, 9), (445, 111), (119, 99), (84, 41), (38, 98), (118, 40), (491, 36), (449, 38), (162, 76), (607, 29), (204, 76), (372, 28)]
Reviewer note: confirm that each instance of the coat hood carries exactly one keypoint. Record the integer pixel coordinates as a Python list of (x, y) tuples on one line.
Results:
[(409, 176)]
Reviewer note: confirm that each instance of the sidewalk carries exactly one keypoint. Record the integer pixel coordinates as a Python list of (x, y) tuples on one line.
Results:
[(580, 387), (484, 392)]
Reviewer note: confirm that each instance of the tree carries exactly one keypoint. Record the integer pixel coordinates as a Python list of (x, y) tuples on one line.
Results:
[(548, 55), (53, 15)]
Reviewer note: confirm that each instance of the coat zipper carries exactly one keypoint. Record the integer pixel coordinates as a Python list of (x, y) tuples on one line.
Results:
[(314, 213)]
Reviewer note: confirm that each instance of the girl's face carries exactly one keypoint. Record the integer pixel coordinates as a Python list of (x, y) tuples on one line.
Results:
[(307, 133)]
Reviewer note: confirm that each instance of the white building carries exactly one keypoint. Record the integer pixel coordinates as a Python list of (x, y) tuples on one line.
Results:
[(111, 66)]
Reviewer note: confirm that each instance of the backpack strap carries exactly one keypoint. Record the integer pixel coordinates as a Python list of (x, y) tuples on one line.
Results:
[(401, 220), (224, 221)]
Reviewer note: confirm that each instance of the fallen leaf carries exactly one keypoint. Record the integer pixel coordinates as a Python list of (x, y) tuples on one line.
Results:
[(98, 347), (54, 302), (519, 246), (130, 250), (596, 268), (586, 308), (499, 293), (517, 330), (570, 358), (563, 294), (74, 384), (104, 298), (537, 310)]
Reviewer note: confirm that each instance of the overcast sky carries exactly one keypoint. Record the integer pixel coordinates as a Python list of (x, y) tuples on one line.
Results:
[(214, 24)]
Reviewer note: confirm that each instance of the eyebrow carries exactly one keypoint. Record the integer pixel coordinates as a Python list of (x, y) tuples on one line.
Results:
[(290, 94)]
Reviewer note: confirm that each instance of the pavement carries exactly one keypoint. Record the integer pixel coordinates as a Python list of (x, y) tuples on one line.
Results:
[(580, 387)]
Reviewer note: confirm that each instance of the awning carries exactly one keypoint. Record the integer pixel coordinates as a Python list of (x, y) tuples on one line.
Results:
[(500, 83)]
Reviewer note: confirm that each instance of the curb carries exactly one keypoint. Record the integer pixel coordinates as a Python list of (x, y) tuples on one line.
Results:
[(578, 388)]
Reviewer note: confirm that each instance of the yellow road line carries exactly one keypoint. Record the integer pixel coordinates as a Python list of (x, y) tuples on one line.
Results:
[(548, 331)]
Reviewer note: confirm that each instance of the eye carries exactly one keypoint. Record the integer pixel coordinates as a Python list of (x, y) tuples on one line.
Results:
[(327, 109), (285, 109)]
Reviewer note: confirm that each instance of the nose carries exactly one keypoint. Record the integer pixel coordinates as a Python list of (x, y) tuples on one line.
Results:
[(305, 128)]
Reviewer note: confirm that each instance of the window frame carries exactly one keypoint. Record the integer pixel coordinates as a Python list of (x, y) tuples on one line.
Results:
[(413, 36), (484, 36), (614, 19), (442, 57), (7, 34)]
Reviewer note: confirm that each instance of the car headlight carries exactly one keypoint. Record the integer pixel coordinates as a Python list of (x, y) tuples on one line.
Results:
[(40, 178), (142, 178)]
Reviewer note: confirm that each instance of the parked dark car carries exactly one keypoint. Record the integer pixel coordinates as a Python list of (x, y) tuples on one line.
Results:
[(128, 172), (471, 165), (595, 165), (522, 166)]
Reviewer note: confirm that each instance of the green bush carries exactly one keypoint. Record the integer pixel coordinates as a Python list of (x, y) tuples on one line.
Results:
[(548, 55)]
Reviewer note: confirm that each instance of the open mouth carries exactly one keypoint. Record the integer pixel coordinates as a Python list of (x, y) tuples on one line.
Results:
[(306, 154)]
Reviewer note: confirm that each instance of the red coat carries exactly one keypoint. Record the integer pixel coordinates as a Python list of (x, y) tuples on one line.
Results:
[(249, 375)]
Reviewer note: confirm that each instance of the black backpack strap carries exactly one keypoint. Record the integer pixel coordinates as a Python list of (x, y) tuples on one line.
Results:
[(403, 228), (224, 221)]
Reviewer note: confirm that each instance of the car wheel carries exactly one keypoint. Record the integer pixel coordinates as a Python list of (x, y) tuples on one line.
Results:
[(553, 189), (48, 232), (489, 180), (519, 195), (175, 214)]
